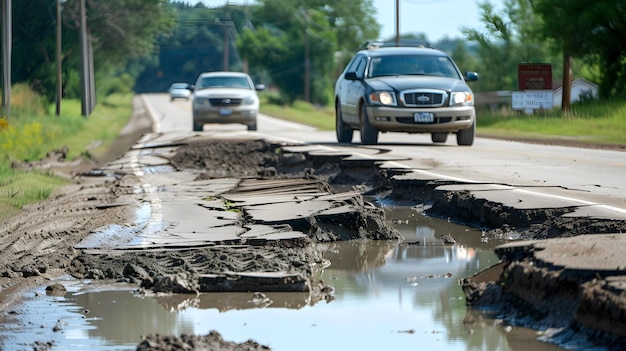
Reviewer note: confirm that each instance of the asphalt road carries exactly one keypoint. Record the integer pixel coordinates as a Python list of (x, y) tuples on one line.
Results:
[(515, 173)]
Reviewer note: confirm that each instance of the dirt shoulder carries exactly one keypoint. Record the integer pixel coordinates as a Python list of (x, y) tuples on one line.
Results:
[(37, 244)]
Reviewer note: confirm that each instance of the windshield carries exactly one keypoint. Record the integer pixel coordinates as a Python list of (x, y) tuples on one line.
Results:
[(224, 82), (413, 65), (180, 86)]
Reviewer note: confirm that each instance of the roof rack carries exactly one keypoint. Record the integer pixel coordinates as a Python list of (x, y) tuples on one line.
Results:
[(402, 43)]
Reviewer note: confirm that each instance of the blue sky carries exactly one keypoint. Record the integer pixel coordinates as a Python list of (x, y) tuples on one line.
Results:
[(435, 18)]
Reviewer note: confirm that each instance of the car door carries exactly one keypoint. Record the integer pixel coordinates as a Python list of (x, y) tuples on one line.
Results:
[(353, 90)]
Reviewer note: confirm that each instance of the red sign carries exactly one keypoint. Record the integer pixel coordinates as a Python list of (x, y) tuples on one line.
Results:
[(534, 76)]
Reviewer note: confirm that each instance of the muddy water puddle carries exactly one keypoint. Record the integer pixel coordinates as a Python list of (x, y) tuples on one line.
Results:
[(388, 296)]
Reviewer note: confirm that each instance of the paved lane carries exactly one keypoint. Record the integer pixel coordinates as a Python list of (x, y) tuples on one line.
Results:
[(592, 179)]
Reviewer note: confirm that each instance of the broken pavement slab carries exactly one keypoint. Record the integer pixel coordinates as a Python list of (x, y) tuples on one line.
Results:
[(590, 256), (576, 284)]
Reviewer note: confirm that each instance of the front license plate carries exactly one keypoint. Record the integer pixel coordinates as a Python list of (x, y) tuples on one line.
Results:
[(226, 112), (424, 117)]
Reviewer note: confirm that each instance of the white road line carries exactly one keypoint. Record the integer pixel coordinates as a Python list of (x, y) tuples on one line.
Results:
[(464, 180), (156, 123)]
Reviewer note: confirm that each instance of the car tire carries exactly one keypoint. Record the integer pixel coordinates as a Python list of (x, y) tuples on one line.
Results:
[(465, 137), (369, 135), (252, 126), (197, 127), (343, 131), (439, 137)]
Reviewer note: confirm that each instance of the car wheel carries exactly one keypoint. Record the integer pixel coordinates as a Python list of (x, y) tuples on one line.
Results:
[(252, 126), (344, 132), (439, 137), (465, 137), (369, 135), (197, 127)]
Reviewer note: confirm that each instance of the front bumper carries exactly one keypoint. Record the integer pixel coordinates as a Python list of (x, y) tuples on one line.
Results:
[(445, 119), (239, 114)]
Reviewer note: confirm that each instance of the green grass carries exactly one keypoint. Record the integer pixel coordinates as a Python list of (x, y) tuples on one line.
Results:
[(31, 134), (301, 112), (19, 188), (602, 123)]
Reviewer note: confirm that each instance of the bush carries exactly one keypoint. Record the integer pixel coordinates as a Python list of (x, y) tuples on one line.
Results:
[(25, 102)]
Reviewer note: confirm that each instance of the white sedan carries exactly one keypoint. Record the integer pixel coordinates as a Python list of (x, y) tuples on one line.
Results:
[(225, 97), (180, 91)]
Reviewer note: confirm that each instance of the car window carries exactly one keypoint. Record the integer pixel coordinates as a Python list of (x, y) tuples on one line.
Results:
[(360, 69), (224, 82), (180, 86), (353, 64), (412, 65), (358, 66)]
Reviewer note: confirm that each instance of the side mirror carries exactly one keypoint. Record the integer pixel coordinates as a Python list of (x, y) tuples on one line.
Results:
[(259, 87), (190, 87), (350, 76), (471, 76)]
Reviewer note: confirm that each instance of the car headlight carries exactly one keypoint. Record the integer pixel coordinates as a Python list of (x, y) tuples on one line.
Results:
[(197, 100), (249, 100), (383, 98), (461, 98)]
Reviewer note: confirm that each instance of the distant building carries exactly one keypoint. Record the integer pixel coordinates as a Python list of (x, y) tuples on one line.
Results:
[(581, 89)]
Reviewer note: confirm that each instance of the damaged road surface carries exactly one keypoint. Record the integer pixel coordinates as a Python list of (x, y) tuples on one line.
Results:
[(228, 215), (181, 215)]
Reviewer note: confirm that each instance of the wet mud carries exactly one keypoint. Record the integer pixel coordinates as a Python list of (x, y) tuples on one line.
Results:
[(211, 341), (43, 242)]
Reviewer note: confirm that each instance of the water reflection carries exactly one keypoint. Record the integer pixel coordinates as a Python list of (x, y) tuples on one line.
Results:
[(234, 301), (388, 295)]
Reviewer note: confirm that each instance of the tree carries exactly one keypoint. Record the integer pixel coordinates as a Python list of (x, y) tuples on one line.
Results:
[(592, 30), (301, 61), (195, 45), (120, 30), (507, 39)]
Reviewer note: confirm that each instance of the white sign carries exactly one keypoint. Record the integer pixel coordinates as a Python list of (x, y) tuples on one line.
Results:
[(532, 99)]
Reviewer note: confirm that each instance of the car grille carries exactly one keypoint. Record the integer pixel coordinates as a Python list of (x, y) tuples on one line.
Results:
[(225, 102), (423, 99)]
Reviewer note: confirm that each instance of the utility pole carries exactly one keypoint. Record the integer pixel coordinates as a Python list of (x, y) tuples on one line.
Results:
[(567, 81), (226, 26), (397, 22), (307, 67), (59, 59), (307, 56), (88, 88), (6, 58)]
